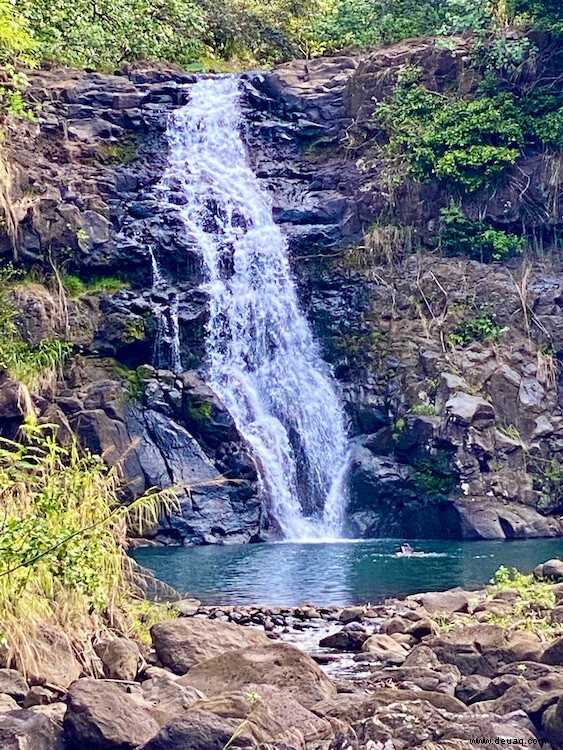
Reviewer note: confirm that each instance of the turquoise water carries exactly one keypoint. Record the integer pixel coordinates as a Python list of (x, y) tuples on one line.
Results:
[(338, 573)]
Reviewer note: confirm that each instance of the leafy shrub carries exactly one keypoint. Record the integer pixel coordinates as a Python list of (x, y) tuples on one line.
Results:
[(436, 475), (63, 539), (536, 599), (110, 32), (423, 409), (550, 475), (468, 143), (16, 41), (482, 327), (460, 236), (365, 23)]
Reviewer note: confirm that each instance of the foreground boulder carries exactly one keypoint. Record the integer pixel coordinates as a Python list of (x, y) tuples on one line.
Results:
[(270, 712), (483, 649), (54, 661), (120, 658), (27, 730), (353, 707), (183, 642), (552, 724), (277, 664), (102, 716), (12, 683), (404, 725), (553, 654), (166, 698), (197, 730)]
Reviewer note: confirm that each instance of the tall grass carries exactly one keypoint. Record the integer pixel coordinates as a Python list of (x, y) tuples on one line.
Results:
[(63, 544)]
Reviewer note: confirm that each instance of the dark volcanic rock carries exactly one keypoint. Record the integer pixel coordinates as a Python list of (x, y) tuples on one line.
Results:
[(27, 729), (101, 716)]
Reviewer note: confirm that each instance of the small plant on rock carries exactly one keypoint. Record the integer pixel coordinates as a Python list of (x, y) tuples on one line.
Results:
[(482, 327), (460, 236), (534, 603)]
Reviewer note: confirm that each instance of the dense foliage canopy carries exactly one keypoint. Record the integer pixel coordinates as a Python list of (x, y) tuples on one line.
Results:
[(104, 34)]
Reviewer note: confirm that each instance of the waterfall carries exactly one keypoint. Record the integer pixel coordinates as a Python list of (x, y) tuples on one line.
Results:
[(167, 345), (263, 361)]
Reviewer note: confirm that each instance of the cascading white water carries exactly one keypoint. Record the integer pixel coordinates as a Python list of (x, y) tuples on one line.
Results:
[(167, 345), (263, 361)]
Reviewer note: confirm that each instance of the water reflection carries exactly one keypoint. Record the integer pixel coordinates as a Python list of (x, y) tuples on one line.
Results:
[(339, 573)]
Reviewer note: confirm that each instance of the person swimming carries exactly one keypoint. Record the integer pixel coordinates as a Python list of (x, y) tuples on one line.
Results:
[(405, 550)]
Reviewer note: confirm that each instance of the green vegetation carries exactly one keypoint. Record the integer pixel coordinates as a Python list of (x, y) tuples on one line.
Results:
[(436, 475), (482, 327), (460, 236), (118, 154), (422, 409), (107, 34), (200, 412), (467, 143), (242, 32), (551, 484), (75, 287), (36, 367), (63, 542), (532, 608), (398, 429), (134, 380)]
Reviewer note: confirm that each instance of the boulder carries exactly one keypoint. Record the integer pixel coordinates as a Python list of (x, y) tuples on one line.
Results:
[(120, 658), (7, 703), (53, 661), (13, 684), (205, 416), (471, 687), (353, 707), (440, 679), (187, 607), (166, 698), (553, 654), (199, 729), (483, 649), (352, 614), (27, 730), (270, 712), (447, 601), (102, 716), (38, 696), (183, 642), (345, 640), (470, 410), (14, 406), (552, 724), (553, 569), (277, 664), (385, 648)]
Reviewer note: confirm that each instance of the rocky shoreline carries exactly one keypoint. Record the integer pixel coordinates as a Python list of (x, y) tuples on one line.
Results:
[(434, 670)]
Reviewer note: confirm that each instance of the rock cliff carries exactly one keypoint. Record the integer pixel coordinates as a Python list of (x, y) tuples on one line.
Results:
[(450, 439)]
